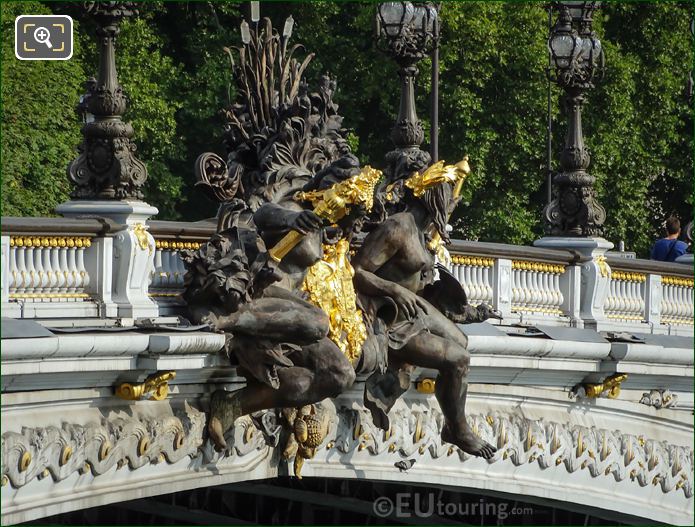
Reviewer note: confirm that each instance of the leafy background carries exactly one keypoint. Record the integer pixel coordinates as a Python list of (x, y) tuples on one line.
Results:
[(493, 102)]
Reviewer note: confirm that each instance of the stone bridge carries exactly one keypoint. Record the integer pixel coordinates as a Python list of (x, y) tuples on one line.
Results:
[(585, 386)]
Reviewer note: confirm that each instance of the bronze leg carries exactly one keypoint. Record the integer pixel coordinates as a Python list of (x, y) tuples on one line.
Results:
[(452, 361)]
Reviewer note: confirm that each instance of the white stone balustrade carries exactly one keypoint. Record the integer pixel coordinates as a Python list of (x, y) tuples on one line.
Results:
[(626, 296), (677, 300), (48, 268), (64, 268), (475, 274), (168, 273), (536, 287)]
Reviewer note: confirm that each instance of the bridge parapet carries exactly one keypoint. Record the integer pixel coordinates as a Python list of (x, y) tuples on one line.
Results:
[(541, 392), (57, 268), (170, 237), (52, 267)]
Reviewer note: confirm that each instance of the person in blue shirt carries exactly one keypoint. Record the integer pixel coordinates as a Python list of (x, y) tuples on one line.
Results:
[(669, 248)]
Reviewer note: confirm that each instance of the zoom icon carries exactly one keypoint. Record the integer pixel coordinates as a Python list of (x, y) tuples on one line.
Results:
[(43, 37)]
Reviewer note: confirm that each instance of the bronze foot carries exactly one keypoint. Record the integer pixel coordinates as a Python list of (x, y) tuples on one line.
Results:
[(469, 442)]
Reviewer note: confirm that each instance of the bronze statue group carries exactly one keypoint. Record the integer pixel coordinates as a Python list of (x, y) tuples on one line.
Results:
[(322, 269)]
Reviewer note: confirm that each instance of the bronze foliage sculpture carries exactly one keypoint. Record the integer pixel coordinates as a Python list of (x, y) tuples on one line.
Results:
[(306, 299)]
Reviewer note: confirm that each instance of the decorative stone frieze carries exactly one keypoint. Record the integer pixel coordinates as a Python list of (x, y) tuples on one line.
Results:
[(415, 432), (97, 447)]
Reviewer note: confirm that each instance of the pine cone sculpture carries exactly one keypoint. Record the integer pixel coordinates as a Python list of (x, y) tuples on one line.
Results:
[(314, 432)]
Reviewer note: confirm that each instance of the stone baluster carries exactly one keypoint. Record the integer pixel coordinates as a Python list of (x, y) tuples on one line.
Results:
[(558, 297), (639, 289), (653, 294), (516, 284), (15, 255), (41, 276), (535, 290), (667, 305), (611, 303), (169, 272), (8, 269), (157, 277), (71, 269), (25, 278), (81, 270), (626, 297), (67, 282), (466, 282), (536, 287), (542, 292), (60, 279), (50, 266), (476, 277), (487, 281), (180, 271), (677, 303), (688, 304), (31, 277), (476, 283)]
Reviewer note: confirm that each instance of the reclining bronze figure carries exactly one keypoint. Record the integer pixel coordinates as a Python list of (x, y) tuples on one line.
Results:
[(305, 298)]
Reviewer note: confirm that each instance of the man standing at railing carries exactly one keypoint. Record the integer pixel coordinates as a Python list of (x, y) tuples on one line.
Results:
[(669, 248)]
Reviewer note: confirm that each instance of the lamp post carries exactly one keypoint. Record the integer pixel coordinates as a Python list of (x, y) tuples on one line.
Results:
[(577, 60), (106, 167), (574, 217), (407, 32), (434, 116), (108, 180)]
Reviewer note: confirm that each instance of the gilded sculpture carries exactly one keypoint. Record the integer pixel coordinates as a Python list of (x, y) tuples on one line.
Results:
[(320, 268)]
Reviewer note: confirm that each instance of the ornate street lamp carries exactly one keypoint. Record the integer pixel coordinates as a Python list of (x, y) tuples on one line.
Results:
[(407, 32), (106, 167), (576, 61)]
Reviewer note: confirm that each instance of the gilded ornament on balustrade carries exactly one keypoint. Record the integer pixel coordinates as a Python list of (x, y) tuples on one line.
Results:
[(140, 232)]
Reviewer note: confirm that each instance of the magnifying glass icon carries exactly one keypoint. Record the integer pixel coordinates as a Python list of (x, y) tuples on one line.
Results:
[(42, 36)]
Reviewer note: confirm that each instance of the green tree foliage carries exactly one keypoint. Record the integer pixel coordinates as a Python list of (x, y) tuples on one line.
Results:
[(640, 122), (153, 80), (39, 130), (493, 103)]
